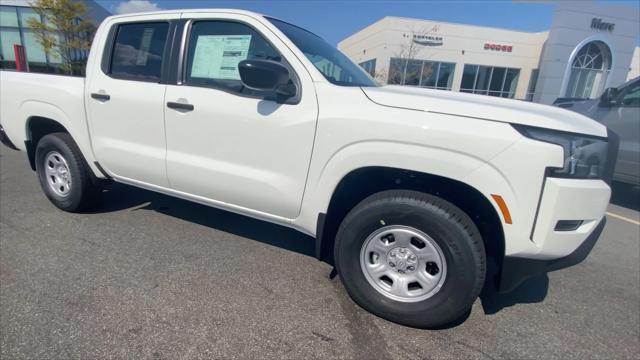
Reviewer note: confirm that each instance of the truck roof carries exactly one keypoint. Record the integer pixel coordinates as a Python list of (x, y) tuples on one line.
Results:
[(174, 11)]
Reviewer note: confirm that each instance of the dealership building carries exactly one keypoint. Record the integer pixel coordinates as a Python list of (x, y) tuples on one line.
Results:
[(589, 47)]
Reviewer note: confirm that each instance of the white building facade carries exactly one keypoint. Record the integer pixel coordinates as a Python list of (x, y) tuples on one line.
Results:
[(589, 47)]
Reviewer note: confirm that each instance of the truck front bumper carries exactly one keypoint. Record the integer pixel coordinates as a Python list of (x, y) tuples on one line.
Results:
[(515, 270), (569, 221)]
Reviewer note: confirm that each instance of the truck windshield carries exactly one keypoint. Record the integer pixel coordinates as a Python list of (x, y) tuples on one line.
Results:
[(333, 64)]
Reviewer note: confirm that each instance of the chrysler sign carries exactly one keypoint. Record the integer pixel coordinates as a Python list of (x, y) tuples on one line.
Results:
[(428, 40)]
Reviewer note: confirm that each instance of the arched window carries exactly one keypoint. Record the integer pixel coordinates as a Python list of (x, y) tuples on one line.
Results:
[(589, 71)]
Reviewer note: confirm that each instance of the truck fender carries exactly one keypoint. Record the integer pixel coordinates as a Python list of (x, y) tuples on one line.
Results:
[(78, 130), (466, 168)]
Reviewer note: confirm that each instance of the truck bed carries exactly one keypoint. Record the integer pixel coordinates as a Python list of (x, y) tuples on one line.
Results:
[(42, 95)]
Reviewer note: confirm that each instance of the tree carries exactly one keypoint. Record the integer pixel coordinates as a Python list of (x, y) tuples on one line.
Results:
[(380, 76), (64, 31), (408, 51)]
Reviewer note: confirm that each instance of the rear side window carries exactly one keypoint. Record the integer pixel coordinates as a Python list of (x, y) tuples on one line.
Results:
[(137, 51)]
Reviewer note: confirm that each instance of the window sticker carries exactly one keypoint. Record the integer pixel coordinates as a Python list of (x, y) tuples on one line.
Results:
[(145, 45), (217, 56)]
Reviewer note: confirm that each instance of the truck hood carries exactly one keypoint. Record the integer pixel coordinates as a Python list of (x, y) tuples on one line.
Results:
[(484, 108)]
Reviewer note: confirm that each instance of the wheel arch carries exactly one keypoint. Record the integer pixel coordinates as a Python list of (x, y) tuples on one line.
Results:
[(42, 118), (36, 128), (365, 181)]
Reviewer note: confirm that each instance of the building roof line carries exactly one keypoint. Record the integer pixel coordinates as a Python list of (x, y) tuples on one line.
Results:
[(459, 24)]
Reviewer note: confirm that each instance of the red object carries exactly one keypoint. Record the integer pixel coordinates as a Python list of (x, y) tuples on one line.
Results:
[(21, 58), (498, 47)]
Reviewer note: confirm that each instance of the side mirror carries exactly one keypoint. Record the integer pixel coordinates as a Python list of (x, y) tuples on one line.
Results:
[(267, 76), (608, 97)]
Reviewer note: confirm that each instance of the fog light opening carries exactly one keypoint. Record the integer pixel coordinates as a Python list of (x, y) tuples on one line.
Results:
[(568, 225)]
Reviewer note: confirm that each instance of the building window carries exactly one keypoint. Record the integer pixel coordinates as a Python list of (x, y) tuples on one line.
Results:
[(589, 71), (369, 66), (396, 71), (8, 37), (27, 14), (533, 81), (8, 16), (424, 73), (413, 69), (490, 80)]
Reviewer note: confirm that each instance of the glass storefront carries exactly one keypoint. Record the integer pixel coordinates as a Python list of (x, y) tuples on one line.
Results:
[(490, 80), (14, 29), (423, 73)]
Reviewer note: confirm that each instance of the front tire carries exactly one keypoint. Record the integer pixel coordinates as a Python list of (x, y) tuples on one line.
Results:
[(64, 176), (411, 258)]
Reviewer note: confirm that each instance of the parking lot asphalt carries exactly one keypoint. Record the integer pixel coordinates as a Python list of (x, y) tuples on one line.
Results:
[(150, 276)]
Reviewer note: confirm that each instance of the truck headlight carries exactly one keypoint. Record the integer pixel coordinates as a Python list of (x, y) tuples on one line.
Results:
[(585, 157)]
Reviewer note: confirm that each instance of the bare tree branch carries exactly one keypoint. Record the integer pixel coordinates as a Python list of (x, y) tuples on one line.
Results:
[(409, 50)]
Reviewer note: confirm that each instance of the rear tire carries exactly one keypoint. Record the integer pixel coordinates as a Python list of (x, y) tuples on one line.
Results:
[(411, 258), (64, 175)]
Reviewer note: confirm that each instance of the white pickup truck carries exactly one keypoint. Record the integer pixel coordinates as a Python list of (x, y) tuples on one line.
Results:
[(407, 191)]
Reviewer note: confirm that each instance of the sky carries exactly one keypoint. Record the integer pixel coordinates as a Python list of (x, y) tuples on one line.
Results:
[(334, 20)]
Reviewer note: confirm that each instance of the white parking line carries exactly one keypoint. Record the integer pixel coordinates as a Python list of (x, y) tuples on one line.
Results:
[(636, 222)]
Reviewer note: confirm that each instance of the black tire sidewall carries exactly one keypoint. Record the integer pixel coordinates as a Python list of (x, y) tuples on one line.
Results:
[(445, 224), (59, 142)]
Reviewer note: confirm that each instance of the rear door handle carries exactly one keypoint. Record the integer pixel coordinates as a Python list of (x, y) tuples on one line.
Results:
[(180, 106), (101, 97)]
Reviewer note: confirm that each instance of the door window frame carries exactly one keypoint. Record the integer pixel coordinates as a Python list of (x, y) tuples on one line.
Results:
[(179, 66)]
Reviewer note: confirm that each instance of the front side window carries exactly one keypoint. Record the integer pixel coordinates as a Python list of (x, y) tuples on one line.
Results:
[(138, 51), (333, 64), (490, 80), (215, 50)]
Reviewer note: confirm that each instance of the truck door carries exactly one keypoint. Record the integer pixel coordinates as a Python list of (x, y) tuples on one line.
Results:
[(226, 143), (125, 101)]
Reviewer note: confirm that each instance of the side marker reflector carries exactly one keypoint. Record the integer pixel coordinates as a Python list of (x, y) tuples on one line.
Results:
[(503, 208)]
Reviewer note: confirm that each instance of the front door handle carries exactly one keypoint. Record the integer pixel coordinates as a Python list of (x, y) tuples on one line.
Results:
[(100, 96), (180, 106)]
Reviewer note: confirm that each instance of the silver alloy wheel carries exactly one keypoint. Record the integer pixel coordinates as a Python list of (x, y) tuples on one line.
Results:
[(57, 172), (403, 263)]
